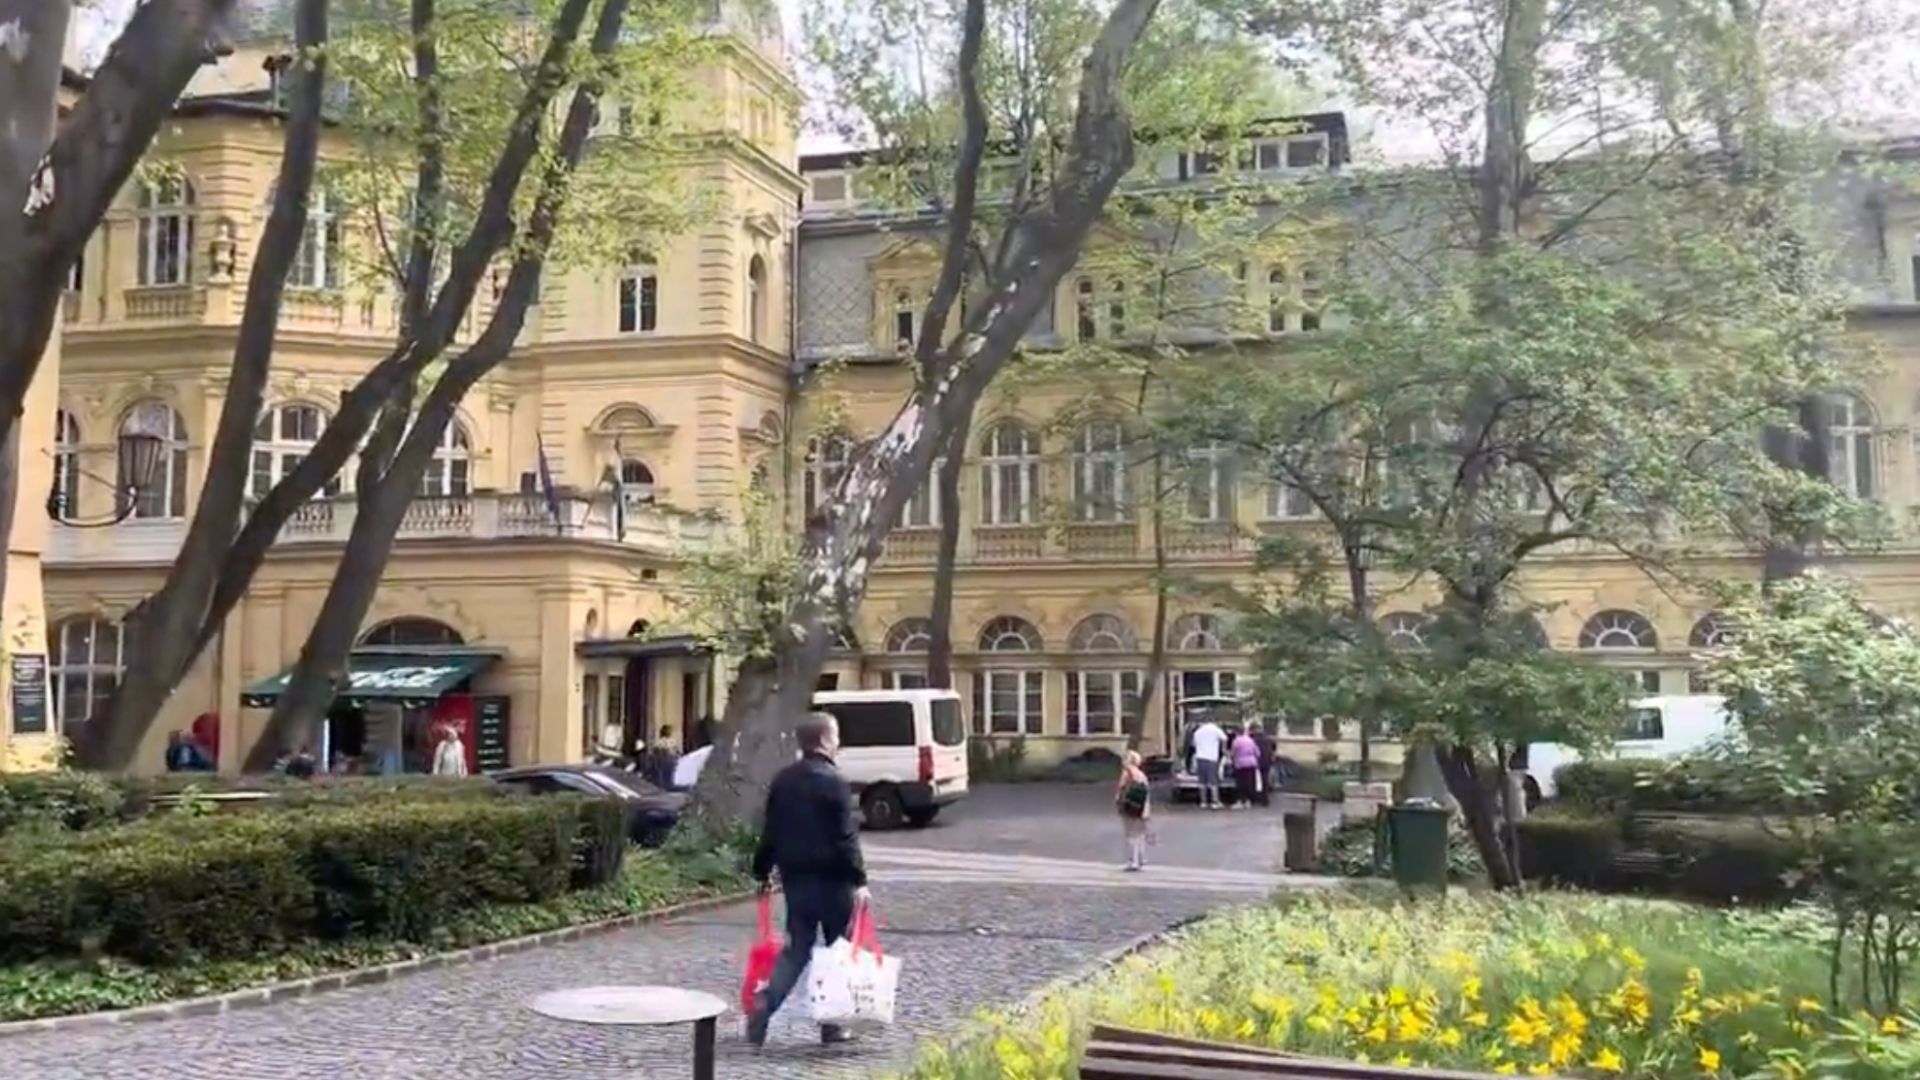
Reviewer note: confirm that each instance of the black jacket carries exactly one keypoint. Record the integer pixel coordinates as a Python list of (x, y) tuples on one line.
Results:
[(810, 830)]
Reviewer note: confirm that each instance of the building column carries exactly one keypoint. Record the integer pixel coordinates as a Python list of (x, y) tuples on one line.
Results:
[(556, 724)]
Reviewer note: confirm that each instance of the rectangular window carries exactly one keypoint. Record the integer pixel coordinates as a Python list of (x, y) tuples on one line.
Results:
[(1006, 702), (1307, 152), (947, 729), (590, 713), (873, 723), (1287, 503), (907, 680), (1643, 725), (923, 509), (639, 303), (617, 700), (1102, 702), (1209, 486)]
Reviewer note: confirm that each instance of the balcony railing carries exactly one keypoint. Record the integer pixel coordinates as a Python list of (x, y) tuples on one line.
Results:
[(485, 516), (1009, 543), (166, 303), (913, 546), (1103, 539)]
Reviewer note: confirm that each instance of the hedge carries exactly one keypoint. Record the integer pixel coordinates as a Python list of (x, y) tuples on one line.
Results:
[(177, 887), (1696, 785), (80, 801), (1719, 860)]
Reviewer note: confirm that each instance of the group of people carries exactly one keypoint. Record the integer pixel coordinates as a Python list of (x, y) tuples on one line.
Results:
[(1250, 755)]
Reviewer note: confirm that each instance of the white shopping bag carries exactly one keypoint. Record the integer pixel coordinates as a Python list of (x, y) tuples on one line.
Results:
[(850, 983)]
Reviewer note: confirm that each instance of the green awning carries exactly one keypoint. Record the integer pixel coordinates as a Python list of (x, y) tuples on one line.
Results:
[(417, 675)]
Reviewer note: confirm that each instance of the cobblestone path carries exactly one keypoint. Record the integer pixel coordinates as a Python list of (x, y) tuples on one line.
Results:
[(975, 929)]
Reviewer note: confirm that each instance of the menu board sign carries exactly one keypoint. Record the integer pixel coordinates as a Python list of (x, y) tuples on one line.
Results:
[(491, 723), (29, 682)]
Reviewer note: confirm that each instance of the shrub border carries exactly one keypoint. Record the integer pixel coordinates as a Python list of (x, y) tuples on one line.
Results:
[(297, 989)]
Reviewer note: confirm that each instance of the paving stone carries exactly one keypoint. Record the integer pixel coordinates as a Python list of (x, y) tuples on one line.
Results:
[(970, 939)]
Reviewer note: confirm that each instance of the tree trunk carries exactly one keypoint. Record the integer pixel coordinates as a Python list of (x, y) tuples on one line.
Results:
[(1478, 806), (162, 636), (241, 558), (47, 218), (1361, 595), (1156, 672), (400, 450), (844, 541), (35, 35), (940, 617)]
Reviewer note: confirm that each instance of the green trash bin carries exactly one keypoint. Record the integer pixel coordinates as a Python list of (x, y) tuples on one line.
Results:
[(1417, 835)]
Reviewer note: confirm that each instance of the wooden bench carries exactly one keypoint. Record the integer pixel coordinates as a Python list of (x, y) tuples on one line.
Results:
[(1117, 1053)]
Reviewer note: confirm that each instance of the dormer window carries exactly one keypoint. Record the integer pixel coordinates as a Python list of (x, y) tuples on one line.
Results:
[(1292, 153)]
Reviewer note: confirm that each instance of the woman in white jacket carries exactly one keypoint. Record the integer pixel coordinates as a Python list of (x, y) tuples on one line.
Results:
[(450, 757)]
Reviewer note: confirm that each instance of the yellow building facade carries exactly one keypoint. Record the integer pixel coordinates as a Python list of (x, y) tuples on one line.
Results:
[(653, 396)]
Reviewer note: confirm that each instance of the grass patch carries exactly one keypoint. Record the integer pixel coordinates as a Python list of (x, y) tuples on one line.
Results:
[(648, 881), (1580, 986)]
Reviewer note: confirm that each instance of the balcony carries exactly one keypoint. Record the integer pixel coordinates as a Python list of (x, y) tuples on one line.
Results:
[(916, 547), (484, 516), (1207, 540), (166, 303), (1103, 540), (1009, 543)]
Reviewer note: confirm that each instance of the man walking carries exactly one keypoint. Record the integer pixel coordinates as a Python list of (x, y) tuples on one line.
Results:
[(811, 835)]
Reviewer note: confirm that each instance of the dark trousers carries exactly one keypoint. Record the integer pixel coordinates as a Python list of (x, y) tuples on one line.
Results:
[(1248, 781), (815, 908)]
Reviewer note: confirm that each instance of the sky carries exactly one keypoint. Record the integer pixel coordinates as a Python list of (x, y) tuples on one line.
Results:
[(1885, 89)]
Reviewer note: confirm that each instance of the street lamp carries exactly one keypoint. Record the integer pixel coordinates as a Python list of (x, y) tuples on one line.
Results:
[(139, 456)]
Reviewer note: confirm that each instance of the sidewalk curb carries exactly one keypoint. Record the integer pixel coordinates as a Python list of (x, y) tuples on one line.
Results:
[(297, 989)]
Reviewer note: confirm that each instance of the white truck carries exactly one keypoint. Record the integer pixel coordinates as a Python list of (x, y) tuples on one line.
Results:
[(1664, 727)]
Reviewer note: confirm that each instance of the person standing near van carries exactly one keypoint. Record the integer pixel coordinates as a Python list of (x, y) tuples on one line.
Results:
[(1209, 739), (1246, 769), (810, 834), (1134, 798)]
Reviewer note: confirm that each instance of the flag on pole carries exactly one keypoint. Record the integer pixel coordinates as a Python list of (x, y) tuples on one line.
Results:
[(546, 484)]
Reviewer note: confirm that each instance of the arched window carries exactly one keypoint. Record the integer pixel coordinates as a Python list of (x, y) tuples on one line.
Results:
[(906, 319), (1279, 297), (410, 631), (1533, 633), (1624, 631), (1010, 476), (66, 461), (827, 460), (1209, 483), (1102, 702), (1100, 471), (165, 246), (1850, 445), (1619, 630), (639, 297), (1009, 633), (1405, 630), (166, 496), (451, 470), (281, 440), (1199, 632), (757, 299), (1102, 633), (1007, 700), (636, 482), (913, 635), (1712, 631), (317, 263), (83, 665)]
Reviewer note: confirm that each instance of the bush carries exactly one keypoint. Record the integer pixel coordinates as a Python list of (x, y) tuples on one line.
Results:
[(1348, 852), (1570, 849), (989, 762), (1646, 785), (175, 887), (68, 800)]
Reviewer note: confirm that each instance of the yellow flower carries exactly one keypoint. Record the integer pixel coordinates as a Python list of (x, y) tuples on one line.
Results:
[(1470, 989), (1632, 957), (1319, 1023), (1608, 1060), (1890, 1026), (1542, 1069), (1709, 1059), (1807, 1004), (1506, 1069), (1450, 1038), (1476, 1019), (1695, 976), (1403, 1060), (1685, 1018)]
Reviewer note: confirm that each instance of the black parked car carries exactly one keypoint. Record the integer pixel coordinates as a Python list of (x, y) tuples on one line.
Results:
[(651, 812)]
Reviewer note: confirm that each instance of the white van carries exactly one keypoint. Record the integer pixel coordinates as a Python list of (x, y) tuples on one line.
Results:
[(1656, 727), (903, 751)]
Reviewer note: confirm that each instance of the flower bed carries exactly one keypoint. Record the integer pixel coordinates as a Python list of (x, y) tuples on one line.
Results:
[(1562, 985)]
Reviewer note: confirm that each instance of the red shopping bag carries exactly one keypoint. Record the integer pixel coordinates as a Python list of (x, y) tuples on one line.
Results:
[(863, 934), (761, 958)]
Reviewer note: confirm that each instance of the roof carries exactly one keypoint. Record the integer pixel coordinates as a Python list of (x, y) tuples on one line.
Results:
[(1333, 124)]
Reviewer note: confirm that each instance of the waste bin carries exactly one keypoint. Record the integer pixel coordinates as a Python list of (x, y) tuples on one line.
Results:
[(1298, 816), (1417, 835)]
